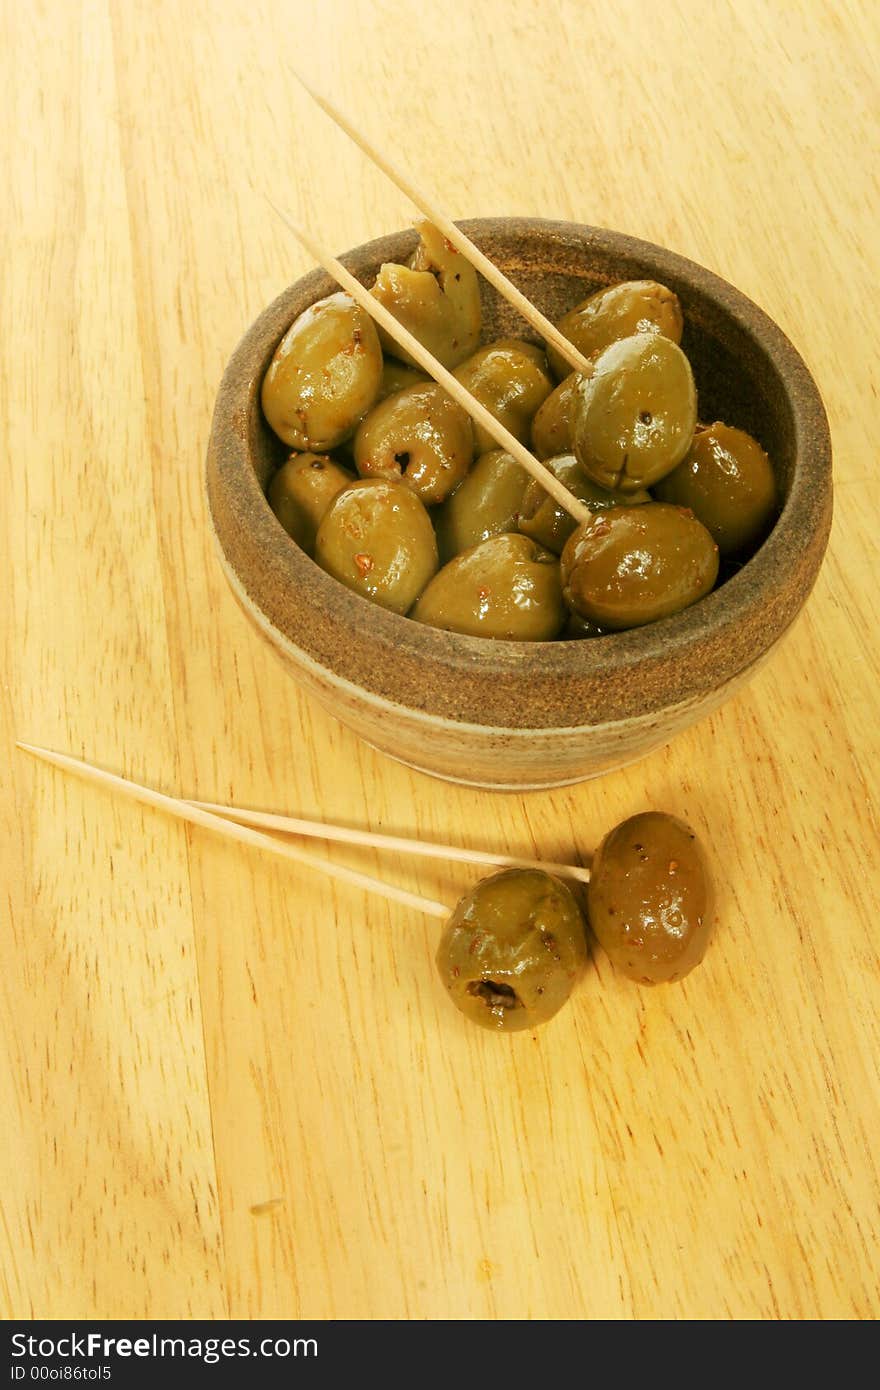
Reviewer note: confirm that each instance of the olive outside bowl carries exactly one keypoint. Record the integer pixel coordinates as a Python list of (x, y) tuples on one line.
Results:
[(518, 715)]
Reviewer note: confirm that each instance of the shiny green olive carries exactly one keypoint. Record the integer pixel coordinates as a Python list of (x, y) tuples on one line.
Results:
[(418, 436), (636, 306), (551, 427), (436, 296), (377, 539), (650, 898), (505, 587), (632, 565), (727, 481), (513, 950), (325, 375), (522, 345), (301, 492), (510, 379), (485, 504), (634, 418), (578, 628), (396, 377), (548, 523)]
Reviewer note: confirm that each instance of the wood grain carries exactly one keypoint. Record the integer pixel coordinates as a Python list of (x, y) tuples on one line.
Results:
[(230, 1088)]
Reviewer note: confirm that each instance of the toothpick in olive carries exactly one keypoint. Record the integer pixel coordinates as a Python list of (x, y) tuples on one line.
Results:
[(513, 950)]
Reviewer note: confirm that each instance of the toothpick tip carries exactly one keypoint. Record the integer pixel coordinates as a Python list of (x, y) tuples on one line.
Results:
[(306, 84), (289, 222)]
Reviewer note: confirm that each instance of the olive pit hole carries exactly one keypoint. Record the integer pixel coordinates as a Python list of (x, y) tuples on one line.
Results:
[(495, 994), (402, 458)]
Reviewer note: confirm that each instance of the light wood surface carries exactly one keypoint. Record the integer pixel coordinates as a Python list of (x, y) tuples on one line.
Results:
[(231, 1088)]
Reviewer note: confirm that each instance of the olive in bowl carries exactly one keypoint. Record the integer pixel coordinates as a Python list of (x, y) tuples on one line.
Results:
[(420, 436), (727, 481), (487, 502), (505, 587), (301, 492), (377, 539), (532, 714), (629, 566)]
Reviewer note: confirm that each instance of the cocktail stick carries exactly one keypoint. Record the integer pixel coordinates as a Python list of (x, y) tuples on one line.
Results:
[(185, 811), (505, 440), (459, 240), (395, 844)]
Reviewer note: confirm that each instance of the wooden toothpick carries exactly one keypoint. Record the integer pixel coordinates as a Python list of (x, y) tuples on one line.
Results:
[(395, 844), (185, 811), (505, 440), (459, 240)]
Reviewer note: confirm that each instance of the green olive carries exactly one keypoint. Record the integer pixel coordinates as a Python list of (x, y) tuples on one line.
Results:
[(301, 492), (513, 949), (578, 628), (377, 539), (396, 377), (484, 504), (419, 436), (551, 427), (522, 345), (325, 375), (436, 296), (548, 523), (728, 483), (634, 418), (650, 898), (636, 306), (510, 379), (504, 587), (632, 565)]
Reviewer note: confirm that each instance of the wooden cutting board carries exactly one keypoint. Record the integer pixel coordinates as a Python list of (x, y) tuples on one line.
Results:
[(232, 1088)]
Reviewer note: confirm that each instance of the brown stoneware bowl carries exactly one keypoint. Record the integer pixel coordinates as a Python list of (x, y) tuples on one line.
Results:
[(516, 714)]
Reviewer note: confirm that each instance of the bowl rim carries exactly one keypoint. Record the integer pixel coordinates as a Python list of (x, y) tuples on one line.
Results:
[(660, 662)]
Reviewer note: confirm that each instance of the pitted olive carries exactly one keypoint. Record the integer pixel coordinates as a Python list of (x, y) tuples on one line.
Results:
[(504, 587), (636, 306), (513, 950), (728, 483), (325, 375), (377, 539), (485, 504), (301, 492), (650, 898), (418, 436), (634, 417), (632, 565), (436, 297), (511, 380)]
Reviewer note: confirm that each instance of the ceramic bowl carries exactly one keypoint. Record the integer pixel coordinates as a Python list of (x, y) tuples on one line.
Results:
[(515, 715)]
